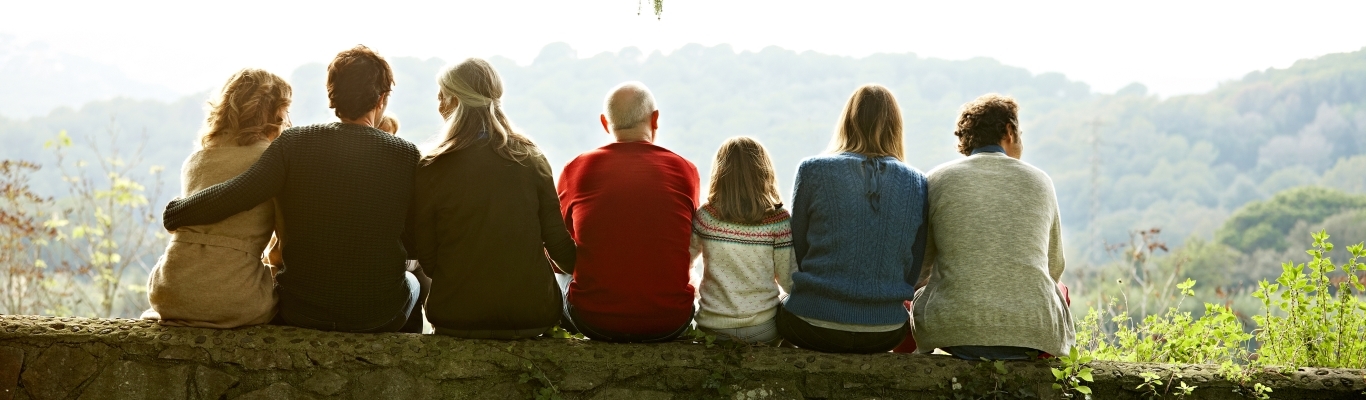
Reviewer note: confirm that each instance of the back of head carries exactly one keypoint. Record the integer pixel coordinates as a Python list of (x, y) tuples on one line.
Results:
[(871, 124), (356, 81), (249, 108), (628, 106), (478, 91), (984, 121), (743, 187)]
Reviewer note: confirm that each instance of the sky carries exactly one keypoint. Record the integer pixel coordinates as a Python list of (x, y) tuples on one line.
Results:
[(1173, 47)]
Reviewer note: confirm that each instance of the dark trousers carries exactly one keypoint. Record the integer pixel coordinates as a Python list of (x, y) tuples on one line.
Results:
[(495, 334), (802, 334), (407, 320)]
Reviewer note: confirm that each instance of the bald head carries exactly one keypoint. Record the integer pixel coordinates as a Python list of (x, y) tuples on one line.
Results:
[(628, 112)]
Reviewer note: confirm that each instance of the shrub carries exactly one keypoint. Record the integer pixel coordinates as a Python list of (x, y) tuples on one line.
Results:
[(1312, 316)]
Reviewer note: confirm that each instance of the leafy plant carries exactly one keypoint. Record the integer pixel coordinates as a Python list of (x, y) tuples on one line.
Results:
[(29, 282), (106, 223), (560, 333), (1072, 377), (1176, 336), (658, 6), (1152, 382), (1312, 315)]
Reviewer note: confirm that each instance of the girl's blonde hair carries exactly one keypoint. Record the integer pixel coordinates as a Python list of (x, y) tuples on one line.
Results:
[(247, 109), (871, 124), (743, 186), (478, 88)]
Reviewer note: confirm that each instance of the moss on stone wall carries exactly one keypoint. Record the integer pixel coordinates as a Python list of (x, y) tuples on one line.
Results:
[(45, 358)]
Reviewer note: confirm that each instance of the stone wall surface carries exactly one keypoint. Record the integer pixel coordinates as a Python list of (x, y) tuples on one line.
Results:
[(44, 358)]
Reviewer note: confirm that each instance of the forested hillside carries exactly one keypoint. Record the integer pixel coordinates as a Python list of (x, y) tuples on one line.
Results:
[(1183, 163)]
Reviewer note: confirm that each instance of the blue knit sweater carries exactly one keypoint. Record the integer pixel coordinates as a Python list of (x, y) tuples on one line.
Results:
[(858, 228)]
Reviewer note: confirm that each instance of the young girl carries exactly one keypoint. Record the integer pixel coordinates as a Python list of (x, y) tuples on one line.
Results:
[(745, 240)]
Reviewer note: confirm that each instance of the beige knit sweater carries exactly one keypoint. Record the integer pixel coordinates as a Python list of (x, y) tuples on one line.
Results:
[(211, 275), (744, 266), (995, 254)]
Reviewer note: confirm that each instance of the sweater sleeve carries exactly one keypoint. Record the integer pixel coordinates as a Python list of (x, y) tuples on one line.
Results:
[(784, 264), (554, 236), (563, 196), (928, 264), (1056, 263), (259, 183), (409, 237), (918, 247), (801, 203)]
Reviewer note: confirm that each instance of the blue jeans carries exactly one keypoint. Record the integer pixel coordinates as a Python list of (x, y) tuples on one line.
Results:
[(394, 324)]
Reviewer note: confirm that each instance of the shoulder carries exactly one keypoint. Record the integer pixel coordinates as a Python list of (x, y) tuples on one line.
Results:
[(673, 157), (310, 129), (826, 161), (580, 160), (1037, 172), (824, 164), (953, 170), (780, 217), (903, 168)]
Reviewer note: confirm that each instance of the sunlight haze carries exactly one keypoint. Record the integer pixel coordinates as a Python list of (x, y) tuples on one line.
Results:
[(1173, 47)]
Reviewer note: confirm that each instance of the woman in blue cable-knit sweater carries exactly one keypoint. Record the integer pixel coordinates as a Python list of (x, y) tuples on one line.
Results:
[(858, 228)]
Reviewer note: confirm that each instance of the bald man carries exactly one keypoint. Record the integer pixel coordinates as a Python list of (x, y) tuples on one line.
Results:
[(629, 205)]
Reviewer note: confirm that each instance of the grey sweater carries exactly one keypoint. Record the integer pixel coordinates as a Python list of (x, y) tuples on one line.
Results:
[(994, 256)]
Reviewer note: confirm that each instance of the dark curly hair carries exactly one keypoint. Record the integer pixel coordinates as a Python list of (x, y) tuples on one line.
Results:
[(984, 121), (356, 80)]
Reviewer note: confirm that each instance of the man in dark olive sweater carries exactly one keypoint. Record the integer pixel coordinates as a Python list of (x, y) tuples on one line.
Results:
[(629, 205), (344, 189)]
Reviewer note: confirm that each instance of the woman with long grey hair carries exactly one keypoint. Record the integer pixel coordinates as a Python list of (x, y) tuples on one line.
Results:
[(486, 215)]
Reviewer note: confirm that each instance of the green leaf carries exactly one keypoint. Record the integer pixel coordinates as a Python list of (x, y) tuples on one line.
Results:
[(1084, 390), (1085, 375)]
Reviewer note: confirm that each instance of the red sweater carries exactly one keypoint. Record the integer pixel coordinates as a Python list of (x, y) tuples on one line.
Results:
[(629, 206)]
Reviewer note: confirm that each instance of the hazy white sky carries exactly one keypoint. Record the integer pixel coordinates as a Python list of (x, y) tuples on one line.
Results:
[(1174, 47)]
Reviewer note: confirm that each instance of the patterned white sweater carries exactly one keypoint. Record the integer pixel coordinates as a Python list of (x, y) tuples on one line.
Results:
[(744, 268)]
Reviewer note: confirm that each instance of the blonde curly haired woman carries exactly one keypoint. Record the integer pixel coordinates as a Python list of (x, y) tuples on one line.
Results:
[(211, 275)]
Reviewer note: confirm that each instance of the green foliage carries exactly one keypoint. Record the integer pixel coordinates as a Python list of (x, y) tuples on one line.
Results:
[(658, 6), (24, 239), (1154, 388), (560, 333), (75, 261), (1347, 175), (1074, 374), (1313, 314), (106, 224), (1176, 336), (1265, 224)]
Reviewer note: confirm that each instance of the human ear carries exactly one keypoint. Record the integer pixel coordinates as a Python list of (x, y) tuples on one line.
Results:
[(603, 117), (654, 120)]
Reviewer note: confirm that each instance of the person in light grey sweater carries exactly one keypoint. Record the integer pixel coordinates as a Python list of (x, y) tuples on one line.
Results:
[(994, 251)]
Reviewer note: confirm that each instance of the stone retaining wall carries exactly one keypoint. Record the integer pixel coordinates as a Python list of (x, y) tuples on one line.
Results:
[(45, 358)]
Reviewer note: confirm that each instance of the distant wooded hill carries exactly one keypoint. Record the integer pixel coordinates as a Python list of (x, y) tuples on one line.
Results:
[(1182, 163)]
